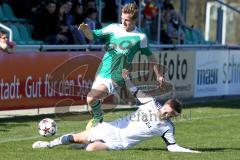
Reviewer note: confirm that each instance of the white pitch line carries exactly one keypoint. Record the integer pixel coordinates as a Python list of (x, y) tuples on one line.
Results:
[(18, 139), (175, 121), (28, 138)]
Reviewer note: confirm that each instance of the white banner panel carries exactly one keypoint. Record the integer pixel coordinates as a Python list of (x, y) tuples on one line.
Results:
[(210, 73), (233, 70), (180, 67)]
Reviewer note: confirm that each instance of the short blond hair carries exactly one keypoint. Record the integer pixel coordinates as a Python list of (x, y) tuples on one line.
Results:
[(132, 9)]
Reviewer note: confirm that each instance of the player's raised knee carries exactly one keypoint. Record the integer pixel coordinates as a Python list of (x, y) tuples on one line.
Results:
[(90, 99)]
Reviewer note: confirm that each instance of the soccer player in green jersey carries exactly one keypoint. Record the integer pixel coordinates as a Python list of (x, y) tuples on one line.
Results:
[(123, 42)]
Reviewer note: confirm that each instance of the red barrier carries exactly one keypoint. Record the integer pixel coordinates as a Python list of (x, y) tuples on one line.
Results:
[(46, 79)]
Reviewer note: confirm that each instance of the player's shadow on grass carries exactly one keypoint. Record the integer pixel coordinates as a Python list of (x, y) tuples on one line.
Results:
[(217, 149), (149, 149), (197, 149), (7, 124), (6, 127)]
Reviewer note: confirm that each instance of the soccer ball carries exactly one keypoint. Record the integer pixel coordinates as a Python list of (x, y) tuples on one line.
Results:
[(47, 127)]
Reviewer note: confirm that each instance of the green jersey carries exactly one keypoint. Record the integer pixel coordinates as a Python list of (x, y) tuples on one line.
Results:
[(121, 48)]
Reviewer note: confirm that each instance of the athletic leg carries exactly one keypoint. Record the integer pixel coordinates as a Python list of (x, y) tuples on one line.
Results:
[(71, 138), (63, 140), (94, 101), (97, 146)]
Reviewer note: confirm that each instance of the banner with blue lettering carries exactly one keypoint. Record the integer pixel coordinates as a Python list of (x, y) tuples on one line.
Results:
[(211, 72)]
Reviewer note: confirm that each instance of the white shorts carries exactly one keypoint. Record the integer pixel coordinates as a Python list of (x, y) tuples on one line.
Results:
[(108, 133), (108, 82)]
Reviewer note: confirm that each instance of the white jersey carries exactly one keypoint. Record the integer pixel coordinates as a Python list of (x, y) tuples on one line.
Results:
[(143, 124), (134, 128)]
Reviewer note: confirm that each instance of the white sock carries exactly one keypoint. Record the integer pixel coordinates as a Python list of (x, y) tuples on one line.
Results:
[(64, 139)]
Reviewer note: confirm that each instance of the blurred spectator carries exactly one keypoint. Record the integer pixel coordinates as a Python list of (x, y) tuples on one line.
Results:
[(78, 13), (91, 19), (109, 12), (53, 23), (150, 9), (5, 45), (25, 8), (150, 13), (92, 22), (65, 21), (46, 23), (78, 18), (90, 4), (167, 5), (67, 25), (37, 7), (172, 22)]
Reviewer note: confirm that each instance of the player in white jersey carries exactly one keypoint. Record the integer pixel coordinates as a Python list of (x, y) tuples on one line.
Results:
[(150, 120), (123, 42)]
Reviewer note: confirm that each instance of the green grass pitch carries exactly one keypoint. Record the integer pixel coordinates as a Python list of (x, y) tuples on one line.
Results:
[(213, 128)]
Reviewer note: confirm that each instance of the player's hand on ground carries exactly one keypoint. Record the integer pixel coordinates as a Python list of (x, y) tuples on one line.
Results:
[(83, 26), (125, 73)]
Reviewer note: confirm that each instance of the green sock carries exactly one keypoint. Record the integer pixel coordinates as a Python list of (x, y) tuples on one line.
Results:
[(97, 111)]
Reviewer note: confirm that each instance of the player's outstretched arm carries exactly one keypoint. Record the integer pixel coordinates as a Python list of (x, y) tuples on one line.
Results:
[(159, 71), (141, 96), (177, 148), (171, 144), (87, 32)]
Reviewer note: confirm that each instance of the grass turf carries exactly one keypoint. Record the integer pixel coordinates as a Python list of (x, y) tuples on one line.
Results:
[(212, 128)]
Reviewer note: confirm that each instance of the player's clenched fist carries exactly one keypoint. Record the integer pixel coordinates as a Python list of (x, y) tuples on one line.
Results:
[(85, 29), (83, 26)]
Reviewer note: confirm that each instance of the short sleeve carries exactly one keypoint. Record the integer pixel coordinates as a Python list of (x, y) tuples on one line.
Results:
[(144, 46), (104, 32), (146, 51), (168, 136)]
